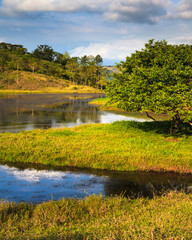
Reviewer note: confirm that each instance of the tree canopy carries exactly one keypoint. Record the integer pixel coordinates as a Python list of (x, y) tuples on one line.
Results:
[(158, 78), (44, 52)]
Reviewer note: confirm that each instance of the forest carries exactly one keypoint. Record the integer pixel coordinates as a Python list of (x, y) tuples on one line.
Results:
[(86, 70)]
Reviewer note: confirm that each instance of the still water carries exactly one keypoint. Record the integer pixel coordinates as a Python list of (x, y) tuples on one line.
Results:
[(28, 112), (37, 185)]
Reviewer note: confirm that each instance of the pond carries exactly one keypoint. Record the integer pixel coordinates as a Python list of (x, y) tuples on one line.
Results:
[(31, 184), (28, 112)]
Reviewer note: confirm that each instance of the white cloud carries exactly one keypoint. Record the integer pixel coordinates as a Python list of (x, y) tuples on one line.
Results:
[(184, 39), (113, 30), (52, 5), (183, 9), (116, 50), (138, 11), (32, 175)]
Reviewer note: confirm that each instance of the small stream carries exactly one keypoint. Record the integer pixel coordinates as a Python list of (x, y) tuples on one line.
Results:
[(37, 185)]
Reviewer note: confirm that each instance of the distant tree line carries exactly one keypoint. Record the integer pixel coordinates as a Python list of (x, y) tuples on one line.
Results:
[(86, 70)]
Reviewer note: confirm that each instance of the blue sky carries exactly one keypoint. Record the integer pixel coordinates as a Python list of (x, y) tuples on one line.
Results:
[(111, 28)]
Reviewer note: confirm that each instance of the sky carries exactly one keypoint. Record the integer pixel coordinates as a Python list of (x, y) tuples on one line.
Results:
[(112, 28)]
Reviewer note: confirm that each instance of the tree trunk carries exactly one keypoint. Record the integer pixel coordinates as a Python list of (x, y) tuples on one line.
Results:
[(171, 128), (17, 78), (150, 116), (177, 121)]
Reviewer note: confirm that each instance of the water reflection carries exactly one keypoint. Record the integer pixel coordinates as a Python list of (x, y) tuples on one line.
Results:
[(32, 185), (37, 185), (147, 184), (27, 112)]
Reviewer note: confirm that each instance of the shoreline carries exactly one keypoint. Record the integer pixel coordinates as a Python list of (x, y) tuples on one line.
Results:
[(107, 106), (79, 90), (37, 166)]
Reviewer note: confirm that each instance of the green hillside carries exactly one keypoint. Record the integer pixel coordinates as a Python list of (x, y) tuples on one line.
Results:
[(21, 81), (45, 68)]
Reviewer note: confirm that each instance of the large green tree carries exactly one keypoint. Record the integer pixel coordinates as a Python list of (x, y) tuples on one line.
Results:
[(158, 78)]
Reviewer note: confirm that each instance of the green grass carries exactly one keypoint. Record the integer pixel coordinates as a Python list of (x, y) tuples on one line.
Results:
[(100, 101), (105, 105), (122, 146), (96, 217)]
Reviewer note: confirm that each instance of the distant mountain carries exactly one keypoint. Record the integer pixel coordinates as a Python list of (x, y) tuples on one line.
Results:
[(109, 70)]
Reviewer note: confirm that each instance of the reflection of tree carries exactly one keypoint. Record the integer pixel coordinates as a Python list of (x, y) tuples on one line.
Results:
[(81, 111), (142, 184), (43, 125), (47, 110)]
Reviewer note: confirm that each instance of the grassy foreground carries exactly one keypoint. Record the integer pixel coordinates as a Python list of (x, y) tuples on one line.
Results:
[(95, 217), (123, 146)]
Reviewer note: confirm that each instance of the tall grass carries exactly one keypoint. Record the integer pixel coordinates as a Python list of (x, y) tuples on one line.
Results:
[(123, 146), (95, 217)]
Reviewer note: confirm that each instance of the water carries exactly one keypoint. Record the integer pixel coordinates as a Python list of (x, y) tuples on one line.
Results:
[(28, 112), (32, 185), (38, 185)]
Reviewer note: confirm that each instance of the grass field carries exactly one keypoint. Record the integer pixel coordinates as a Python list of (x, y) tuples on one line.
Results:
[(95, 217), (122, 146)]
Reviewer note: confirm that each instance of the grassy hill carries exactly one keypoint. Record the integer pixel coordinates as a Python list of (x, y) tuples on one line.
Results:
[(22, 81)]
